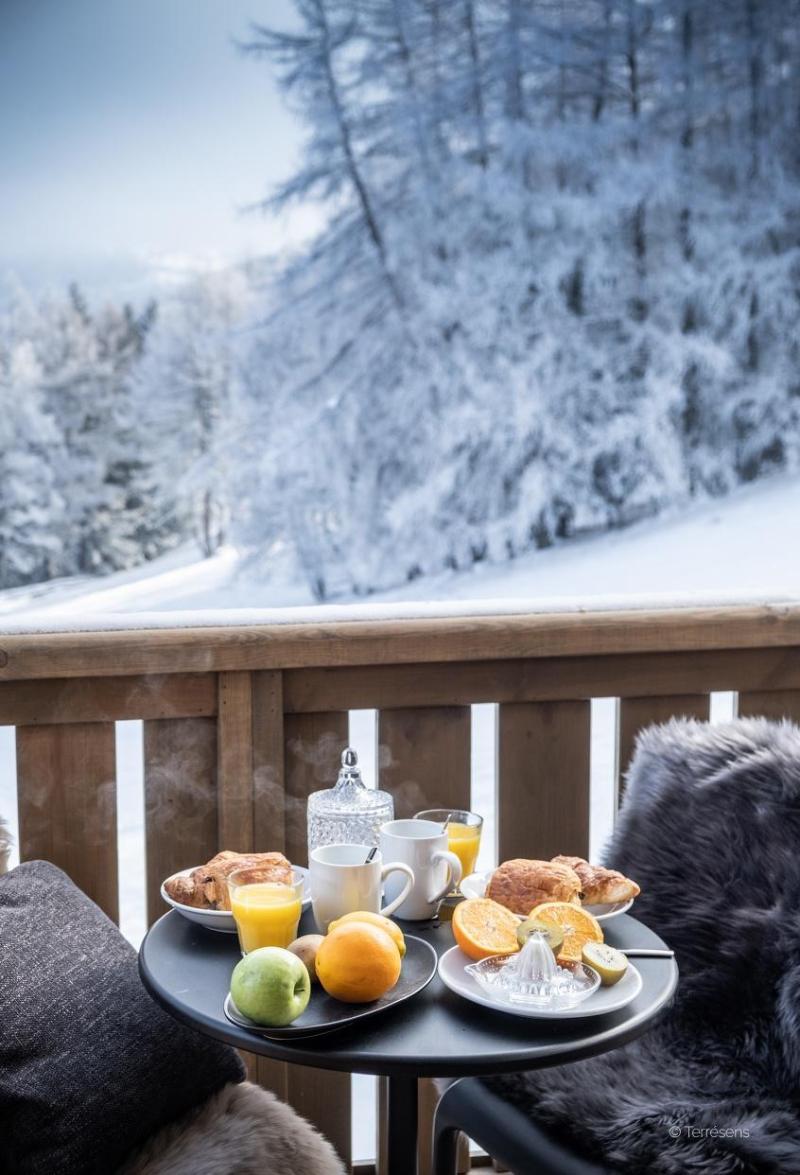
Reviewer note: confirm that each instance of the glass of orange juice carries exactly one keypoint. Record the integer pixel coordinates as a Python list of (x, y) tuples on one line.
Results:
[(266, 913), (463, 834)]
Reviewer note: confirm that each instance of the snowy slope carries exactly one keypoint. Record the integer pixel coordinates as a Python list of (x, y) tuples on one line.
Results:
[(744, 546)]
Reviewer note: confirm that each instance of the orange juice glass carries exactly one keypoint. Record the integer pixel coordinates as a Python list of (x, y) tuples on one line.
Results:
[(266, 913), (463, 834)]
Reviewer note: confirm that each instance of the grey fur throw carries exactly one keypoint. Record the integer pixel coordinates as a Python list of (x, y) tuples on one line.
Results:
[(242, 1130), (710, 829)]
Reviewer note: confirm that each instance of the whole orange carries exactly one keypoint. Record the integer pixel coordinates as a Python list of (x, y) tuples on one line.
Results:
[(357, 963)]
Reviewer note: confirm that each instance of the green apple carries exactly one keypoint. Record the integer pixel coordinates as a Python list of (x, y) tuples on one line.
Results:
[(271, 986)]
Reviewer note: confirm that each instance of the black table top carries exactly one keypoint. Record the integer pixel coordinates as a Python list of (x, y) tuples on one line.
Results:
[(187, 969)]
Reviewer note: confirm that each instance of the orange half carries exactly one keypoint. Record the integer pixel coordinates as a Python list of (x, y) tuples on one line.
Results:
[(579, 927), (482, 928)]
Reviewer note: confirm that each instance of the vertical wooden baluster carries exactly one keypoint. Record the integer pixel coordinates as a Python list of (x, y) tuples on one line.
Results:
[(775, 704), (424, 757), (235, 761), (543, 779), (269, 787), (66, 781), (637, 713), (313, 745), (424, 761), (180, 799)]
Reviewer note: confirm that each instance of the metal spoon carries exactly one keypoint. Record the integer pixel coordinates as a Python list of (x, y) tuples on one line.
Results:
[(646, 953), (371, 854)]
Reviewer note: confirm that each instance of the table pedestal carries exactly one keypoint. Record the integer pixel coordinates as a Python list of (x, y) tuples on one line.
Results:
[(401, 1125)]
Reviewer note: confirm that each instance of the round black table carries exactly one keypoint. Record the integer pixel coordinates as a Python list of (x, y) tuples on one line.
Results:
[(187, 969)]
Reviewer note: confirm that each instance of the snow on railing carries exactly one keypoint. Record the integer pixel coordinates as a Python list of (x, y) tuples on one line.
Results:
[(49, 621)]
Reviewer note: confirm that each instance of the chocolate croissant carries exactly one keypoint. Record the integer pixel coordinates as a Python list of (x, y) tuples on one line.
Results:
[(206, 887), (599, 885), (519, 885)]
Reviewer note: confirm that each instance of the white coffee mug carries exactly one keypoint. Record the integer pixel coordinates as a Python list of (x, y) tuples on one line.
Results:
[(342, 881), (423, 845)]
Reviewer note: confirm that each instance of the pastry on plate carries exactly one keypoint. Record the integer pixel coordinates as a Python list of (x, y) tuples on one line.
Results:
[(600, 886), (206, 887), (519, 885)]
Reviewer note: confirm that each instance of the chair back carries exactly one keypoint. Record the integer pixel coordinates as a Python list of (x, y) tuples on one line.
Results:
[(710, 829)]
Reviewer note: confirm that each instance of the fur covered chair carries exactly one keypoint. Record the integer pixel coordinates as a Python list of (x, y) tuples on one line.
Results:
[(710, 829)]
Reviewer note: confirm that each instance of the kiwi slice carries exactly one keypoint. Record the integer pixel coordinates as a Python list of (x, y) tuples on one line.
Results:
[(609, 964), (554, 935)]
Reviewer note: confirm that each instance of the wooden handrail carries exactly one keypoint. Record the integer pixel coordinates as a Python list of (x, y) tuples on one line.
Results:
[(402, 641)]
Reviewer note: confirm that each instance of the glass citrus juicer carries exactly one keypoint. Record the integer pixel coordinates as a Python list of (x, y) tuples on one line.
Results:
[(532, 976)]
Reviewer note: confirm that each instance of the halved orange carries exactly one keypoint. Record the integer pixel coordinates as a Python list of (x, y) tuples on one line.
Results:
[(482, 928), (579, 927)]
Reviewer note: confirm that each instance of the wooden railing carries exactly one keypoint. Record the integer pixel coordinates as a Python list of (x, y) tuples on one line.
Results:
[(241, 723)]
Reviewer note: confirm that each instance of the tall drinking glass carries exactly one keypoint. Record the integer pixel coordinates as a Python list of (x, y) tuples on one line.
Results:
[(266, 913), (463, 833)]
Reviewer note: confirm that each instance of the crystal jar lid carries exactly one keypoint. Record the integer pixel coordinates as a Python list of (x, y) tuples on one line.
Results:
[(350, 794)]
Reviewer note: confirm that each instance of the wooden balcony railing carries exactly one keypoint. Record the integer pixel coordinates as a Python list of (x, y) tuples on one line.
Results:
[(241, 723)]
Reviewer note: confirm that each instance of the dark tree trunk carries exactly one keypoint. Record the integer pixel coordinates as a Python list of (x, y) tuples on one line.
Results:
[(477, 87), (353, 169)]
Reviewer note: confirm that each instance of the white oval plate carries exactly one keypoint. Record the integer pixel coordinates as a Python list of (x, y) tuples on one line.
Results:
[(474, 886), (221, 920), (453, 974)]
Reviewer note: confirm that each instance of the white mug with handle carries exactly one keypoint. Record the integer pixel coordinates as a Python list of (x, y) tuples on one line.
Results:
[(422, 845), (342, 881)]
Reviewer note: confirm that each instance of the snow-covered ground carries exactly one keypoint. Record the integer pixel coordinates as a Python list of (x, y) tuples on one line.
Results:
[(742, 547), (738, 547)]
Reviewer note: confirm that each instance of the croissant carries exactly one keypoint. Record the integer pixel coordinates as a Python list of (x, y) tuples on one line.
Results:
[(206, 887), (519, 885), (599, 885)]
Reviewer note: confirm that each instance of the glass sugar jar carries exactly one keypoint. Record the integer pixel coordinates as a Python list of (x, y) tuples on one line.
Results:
[(350, 812)]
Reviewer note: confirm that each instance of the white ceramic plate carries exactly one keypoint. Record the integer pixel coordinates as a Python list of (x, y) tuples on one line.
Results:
[(221, 920), (453, 974), (474, 886)]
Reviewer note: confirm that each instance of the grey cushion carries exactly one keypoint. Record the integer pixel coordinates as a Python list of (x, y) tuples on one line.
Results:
[(89, 1065)]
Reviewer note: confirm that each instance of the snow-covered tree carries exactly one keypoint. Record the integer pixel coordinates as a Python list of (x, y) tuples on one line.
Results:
[(32, 512), (87, 361), (188, 396), (78, 485), (557, 284)]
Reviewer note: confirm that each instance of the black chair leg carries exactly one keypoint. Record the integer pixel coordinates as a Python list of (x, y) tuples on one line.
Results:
[(502, 1130), (445, 1149)]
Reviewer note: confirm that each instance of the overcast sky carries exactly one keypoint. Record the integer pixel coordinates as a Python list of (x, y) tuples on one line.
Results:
[(131, 134)]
